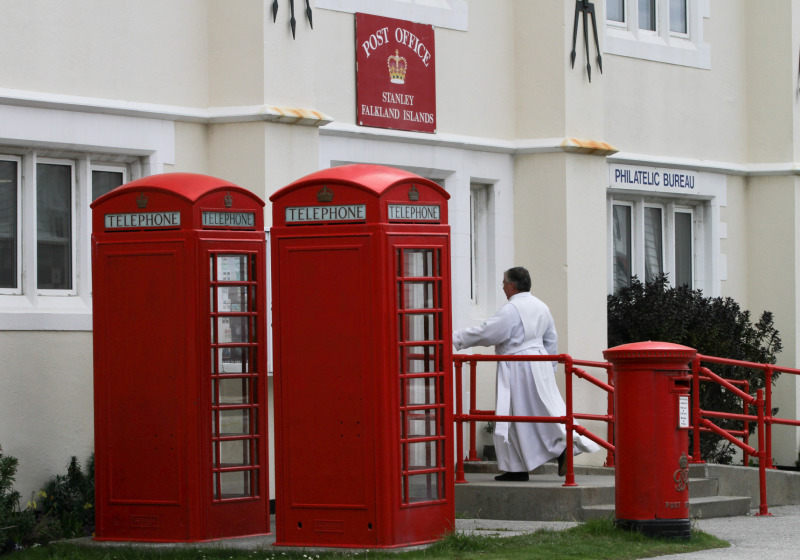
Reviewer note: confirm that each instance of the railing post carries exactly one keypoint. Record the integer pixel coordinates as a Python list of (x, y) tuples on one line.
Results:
[(611, 424), (473, 454), (459, 427), (762, 453), (570, 424), (768, 415), (696, 458), (746, 424)]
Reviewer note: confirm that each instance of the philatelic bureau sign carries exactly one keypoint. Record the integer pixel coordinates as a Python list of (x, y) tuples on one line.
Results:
[(395, 76)]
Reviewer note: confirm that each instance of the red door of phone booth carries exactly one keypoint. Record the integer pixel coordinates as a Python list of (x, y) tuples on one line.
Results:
[(179, 360), (362, 351)]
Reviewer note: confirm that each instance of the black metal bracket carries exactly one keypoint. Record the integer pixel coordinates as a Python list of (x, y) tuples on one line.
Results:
[(586, 7), (292, 20)]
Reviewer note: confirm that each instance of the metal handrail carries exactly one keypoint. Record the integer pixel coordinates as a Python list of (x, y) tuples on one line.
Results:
[(568, 419)]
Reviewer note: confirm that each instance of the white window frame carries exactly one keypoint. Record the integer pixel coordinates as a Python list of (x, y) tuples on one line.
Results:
[(683, 49), (482, 239), (32, 260), (18, 289), (669, 208)]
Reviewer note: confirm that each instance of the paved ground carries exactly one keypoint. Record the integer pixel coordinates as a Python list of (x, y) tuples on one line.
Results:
[(776, 537)]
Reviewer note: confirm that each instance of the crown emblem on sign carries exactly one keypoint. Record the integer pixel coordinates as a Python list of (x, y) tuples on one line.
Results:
[(141, 201), (683, 461), (397, 68), (325, 194), (228, 200), (413, 193)]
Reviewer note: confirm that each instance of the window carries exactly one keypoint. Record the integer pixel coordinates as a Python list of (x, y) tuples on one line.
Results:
[(481, 239), (669, 31), (650, 237), (49, 205)]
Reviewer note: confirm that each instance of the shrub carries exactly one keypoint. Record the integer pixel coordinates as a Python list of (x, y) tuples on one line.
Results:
[(14, 523), (712, 326)]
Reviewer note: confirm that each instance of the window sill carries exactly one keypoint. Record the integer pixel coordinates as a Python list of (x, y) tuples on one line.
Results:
[(672, 50), (62, 313)]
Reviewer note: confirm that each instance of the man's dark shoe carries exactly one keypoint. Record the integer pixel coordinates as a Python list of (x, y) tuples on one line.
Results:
[(562, 463), (512, 477)]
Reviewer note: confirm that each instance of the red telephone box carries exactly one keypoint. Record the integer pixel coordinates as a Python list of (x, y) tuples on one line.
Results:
[(180, 360), (362, 350)]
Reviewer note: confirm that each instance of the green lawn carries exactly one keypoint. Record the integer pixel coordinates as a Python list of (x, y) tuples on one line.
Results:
[(593, 540)]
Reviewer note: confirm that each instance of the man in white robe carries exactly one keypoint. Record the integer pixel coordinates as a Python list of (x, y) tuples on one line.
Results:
[(524, 325)]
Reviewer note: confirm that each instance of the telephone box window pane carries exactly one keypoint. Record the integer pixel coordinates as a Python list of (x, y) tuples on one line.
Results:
[(54, 226), (232, 298), (420, 326), (104, 182), (8, 224), (233, 329), (422, 455), (235, 453), (622, 247), (683, 249), (653, 244), (232, 268), (233, 391), (418, 295), (420, 423), (233, 422), (677, 16), (417, 263), (647, 15), (235, 484), (423, 487), (420, 390), (419, 359)]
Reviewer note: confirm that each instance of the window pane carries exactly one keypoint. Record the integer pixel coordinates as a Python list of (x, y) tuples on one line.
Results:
[(622, 247), (647, 15), (54, 226), (8, 224), (683, 249), (105, 181), (653, 244), (615, 10), (677, 16)]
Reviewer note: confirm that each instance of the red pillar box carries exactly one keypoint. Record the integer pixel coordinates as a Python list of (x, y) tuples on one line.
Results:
[(180, 360), (361, 314), (651, 433)]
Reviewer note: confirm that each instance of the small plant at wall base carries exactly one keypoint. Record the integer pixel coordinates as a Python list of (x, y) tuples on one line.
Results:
[(712, 326), (14, 523)]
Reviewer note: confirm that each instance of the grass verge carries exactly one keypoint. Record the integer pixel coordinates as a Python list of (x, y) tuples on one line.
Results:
[(591, 540)]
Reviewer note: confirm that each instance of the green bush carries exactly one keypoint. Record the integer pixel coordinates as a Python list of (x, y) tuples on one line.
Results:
[(712, 326), (14, 522)]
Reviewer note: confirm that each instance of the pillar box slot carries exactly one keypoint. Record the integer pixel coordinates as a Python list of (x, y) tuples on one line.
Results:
[(179, 295), (362, 351)]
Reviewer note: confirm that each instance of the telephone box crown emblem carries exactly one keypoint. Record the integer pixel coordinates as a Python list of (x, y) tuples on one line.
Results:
[(228, 200), (325, 194), (141, 201), (413, 193), (397, 68)]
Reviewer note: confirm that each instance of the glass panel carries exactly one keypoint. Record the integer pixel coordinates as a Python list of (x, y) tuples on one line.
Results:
[(235, 484), (417, 262), (233, 422), (8, 224), (419, 359), (235, 453), (653, 244), (423, 487), (232, 298), (420, 390), (647, 15), (422, 455), (233, 329), (54, 226), (420, 326), (420, 423), (418, 295), (622, 247), (105, 181), (231, 268), (234, 391), (615, 10), (677, 16), (683, 249)]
